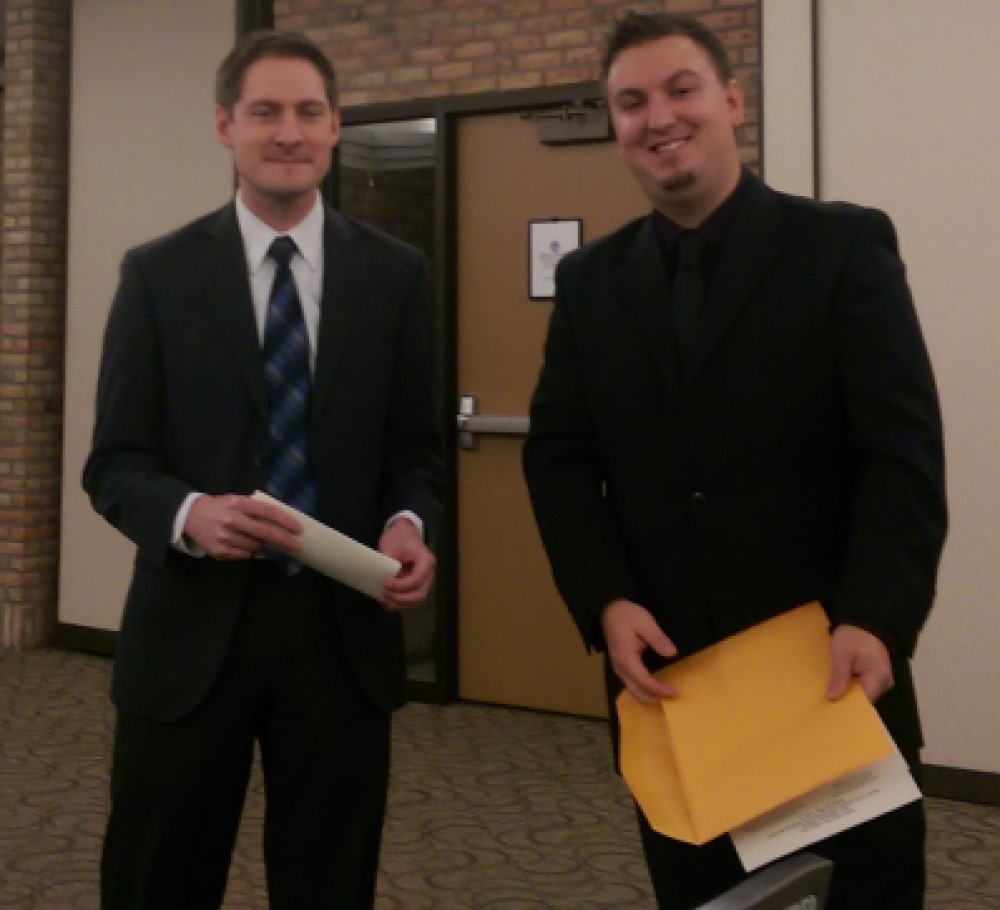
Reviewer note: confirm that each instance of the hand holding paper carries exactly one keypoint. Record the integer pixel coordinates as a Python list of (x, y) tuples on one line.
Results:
[(629, 629), (338, 556), (411, 585), (230, 527), (857, 654), (751, 730)]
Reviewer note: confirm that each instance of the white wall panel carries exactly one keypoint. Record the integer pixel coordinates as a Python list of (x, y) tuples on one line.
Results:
[(906, 117), (787, 95), (143, 159), (909, 122)]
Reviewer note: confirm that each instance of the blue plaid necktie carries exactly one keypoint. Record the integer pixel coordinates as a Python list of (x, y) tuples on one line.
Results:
[(286, 367)]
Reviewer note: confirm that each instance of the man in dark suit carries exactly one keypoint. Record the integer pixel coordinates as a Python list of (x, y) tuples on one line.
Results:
[(694, 474), (223, 642)]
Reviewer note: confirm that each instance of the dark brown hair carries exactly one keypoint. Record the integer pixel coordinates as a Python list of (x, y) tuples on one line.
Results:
[(268, 43), (638, 28)]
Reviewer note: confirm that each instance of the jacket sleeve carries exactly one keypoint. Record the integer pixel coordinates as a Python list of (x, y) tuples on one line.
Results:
[(125, 474), (898, 517), (566, 479), (413, 471)]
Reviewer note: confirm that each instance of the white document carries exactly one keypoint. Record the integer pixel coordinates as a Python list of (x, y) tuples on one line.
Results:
[(855, 798), (338, 556)]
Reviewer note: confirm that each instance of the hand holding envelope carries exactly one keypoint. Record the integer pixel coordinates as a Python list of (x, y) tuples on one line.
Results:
[(338, 556), (750, 730)]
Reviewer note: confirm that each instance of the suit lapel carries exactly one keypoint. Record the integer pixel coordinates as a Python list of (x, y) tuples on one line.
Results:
[(747, 252), (343, 292), (228, 290), (644, 292)]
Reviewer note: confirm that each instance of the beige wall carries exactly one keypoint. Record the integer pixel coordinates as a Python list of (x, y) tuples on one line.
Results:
[(786, 95), (907, 122), (143, 160)]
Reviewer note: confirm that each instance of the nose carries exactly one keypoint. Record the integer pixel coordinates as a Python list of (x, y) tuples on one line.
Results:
[(661, 111), (289, 130)]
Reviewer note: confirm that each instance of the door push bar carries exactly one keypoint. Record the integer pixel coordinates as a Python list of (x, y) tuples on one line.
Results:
[(470, 424)]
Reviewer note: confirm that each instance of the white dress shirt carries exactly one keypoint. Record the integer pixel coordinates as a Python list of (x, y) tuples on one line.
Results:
[(306, 266), (307, 271)]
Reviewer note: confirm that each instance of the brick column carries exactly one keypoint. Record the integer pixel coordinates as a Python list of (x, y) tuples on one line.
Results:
[(32, 314)]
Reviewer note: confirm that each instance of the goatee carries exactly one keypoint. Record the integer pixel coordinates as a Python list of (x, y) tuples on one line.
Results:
[(677, 183)]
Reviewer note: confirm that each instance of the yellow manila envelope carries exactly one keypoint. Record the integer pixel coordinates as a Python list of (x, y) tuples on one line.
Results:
[(750, 729)]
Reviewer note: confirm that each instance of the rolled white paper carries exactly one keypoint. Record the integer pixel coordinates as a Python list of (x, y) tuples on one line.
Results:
[(336, 555)]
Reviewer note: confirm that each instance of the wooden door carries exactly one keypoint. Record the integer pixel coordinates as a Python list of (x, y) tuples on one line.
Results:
[(516, 642)]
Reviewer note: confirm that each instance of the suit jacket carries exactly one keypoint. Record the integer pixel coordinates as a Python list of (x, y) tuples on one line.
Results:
[(801, 458), (182, 407)]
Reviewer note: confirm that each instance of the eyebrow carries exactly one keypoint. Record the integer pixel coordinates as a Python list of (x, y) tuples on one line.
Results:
[(315, 103), (672, 79), (683, 74)]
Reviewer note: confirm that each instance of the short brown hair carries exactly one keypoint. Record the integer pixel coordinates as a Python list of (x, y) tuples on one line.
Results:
[(638, 28), (269, 43)]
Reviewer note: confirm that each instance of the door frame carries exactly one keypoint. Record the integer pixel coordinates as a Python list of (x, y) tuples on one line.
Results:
[(447, 113)]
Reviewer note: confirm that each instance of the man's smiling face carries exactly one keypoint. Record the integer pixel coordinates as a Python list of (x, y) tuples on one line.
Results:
[(675, 125), (282, 132)]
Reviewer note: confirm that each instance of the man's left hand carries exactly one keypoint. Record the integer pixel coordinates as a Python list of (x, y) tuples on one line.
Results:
[(858, 653), (410, 587)]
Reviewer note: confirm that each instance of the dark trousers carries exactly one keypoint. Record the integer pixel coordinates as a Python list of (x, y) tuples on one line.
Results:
[(177, 789), (876, 866)]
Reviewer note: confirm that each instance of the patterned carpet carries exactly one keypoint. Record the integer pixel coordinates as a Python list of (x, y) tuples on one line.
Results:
[(490, 809)]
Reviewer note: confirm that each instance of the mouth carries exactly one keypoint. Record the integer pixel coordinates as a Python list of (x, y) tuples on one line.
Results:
[(665, 146)]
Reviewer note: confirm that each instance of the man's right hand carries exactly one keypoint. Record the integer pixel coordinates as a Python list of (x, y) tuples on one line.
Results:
[(628, 630), (237, 527)]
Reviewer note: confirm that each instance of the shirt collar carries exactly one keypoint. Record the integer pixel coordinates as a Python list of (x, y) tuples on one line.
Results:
[(258, 236)]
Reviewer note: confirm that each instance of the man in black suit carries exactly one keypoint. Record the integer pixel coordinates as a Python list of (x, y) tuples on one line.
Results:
[(694, 474), (223, 643)]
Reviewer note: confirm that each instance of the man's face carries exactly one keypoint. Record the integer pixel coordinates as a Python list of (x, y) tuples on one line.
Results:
[(282, 132), (674, 122)]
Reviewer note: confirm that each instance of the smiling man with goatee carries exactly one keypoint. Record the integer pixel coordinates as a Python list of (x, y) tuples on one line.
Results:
[(736, 415)]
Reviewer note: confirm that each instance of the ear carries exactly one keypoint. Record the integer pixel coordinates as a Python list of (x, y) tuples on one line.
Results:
[(735, 102), (335, 125), (222, 124)]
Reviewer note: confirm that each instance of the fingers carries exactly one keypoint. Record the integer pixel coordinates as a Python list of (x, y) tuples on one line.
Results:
[(629, 630), (644, 687), (232, 527), (858, 654), (410, 587), (840, 679)]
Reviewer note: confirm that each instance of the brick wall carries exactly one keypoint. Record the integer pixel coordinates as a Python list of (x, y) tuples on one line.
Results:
[(32, 313), (395, 50)]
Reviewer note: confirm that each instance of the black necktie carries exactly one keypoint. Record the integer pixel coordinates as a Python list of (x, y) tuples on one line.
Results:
[(688, 292), (286, 367)]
